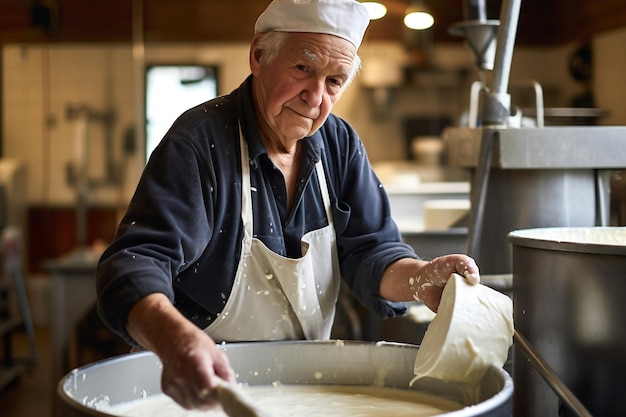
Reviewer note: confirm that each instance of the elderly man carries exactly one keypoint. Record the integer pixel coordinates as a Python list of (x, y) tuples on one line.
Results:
[(253, 208)]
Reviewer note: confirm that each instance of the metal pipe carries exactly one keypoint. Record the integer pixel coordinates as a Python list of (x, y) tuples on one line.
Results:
[(497, 107), (603, 190), (538, 90), (476, 10), (81, 162), (479, 194), (27, 321), (509, 16), (139, 79), (539, 103), (472, 118), (559, 388)]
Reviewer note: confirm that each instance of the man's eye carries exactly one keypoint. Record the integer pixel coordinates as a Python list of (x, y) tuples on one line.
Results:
[(335, 81), (302, 68)]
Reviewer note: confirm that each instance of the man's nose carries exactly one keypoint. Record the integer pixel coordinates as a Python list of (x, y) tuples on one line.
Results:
[(314, 92)]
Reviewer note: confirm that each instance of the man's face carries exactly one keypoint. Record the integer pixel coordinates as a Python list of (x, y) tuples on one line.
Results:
[(296, 92)]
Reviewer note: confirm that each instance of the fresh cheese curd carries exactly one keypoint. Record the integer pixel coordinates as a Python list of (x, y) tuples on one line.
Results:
[(473, 329), (307, 401)]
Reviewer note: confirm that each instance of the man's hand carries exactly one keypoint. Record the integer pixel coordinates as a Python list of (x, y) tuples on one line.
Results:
[(192, 370), (430, 278), (193, 366), (417, 280)]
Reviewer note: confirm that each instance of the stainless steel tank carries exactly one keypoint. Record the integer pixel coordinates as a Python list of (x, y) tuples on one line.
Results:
[(569, 299), (135, 375), (535, 178)]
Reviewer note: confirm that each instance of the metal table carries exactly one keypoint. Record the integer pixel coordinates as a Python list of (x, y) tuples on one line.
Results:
[(73, 293)]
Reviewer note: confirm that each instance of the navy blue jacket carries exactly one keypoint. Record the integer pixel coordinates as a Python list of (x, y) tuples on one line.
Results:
[(182, 232)]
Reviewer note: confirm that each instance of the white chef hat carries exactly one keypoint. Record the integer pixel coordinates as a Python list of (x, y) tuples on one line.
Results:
[(347, 19)]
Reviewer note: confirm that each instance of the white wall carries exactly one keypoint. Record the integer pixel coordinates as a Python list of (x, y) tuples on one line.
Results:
[(40, 83), (41, 80)]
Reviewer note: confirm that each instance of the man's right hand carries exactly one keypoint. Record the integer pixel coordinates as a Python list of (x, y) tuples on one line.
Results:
[(192, 364)]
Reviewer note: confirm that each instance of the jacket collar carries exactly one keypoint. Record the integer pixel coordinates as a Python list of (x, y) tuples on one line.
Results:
[(250, 129)]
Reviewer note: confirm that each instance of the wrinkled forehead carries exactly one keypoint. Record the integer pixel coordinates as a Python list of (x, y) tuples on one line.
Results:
[(321, 48)]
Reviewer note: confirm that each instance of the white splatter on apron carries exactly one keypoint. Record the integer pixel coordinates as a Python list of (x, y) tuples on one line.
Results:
[(279, 298)]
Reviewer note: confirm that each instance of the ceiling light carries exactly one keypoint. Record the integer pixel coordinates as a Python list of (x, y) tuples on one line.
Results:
[(417, 17), (375, 9)]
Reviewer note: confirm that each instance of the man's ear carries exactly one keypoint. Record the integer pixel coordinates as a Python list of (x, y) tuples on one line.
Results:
[(255, 55)]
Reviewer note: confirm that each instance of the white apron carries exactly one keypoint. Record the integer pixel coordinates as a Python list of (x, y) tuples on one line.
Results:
[(278, 298)]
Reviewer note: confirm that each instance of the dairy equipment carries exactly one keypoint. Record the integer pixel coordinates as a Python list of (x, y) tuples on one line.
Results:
[(537, 178), (569, 303), (138, 375), (526, 177)]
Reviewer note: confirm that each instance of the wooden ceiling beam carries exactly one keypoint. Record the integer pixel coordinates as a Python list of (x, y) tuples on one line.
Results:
[(541, 23)]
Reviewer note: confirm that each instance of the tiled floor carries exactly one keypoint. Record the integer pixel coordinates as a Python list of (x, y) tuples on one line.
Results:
[(32, 393)]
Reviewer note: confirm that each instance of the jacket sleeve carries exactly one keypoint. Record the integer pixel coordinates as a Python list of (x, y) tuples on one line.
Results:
[(166, 227), (368, 238)]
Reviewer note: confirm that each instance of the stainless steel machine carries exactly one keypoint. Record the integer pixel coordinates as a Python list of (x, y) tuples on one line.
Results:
[(525, 177), (534, 177), (528, 178)]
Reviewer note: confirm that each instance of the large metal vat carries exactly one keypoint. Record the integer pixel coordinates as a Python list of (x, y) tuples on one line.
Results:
[(569, 298), (135, 375)]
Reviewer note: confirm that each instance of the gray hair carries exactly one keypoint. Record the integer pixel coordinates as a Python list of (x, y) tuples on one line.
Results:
[(272, 42)]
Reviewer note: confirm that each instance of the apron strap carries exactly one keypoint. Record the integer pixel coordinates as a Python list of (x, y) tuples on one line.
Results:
[(246, 198), (321, 177)]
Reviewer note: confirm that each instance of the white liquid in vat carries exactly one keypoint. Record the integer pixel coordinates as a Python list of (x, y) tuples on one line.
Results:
[(611, 236), (307, 401)]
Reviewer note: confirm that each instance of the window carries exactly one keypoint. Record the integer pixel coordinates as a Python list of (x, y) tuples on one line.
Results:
[(170, 90)]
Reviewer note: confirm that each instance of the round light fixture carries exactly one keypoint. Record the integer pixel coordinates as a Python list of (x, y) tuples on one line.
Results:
[(375, 9), (419, 20)]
